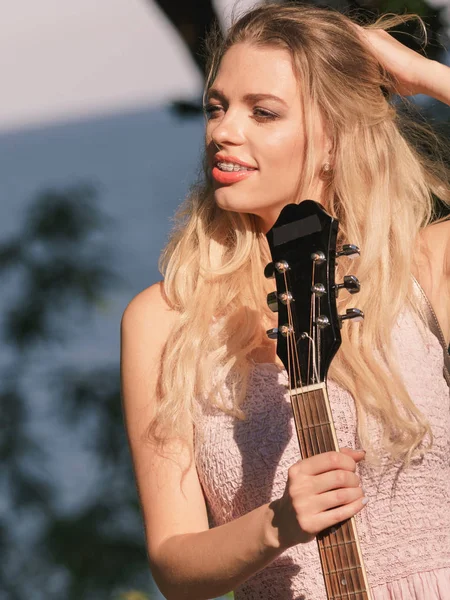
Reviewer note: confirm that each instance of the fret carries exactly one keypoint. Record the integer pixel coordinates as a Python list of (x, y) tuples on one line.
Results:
[(347, 594), (344, 543), (305, 427), (345, 569)]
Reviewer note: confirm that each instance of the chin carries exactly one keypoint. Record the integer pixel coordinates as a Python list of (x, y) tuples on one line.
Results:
[(223, 200)]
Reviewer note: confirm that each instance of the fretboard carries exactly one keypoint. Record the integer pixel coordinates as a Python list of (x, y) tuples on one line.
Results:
[(339, 549)]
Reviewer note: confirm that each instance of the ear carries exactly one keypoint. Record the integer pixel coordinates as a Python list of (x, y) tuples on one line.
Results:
[(330, 146)]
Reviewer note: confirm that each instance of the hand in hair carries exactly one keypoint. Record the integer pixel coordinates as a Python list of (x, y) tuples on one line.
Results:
[(407, 68)]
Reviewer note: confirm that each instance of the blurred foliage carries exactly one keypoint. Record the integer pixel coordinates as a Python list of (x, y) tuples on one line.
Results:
[(56, 270)]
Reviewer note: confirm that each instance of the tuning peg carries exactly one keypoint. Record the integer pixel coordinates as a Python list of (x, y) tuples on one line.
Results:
[(351, 284), (281, 266), (352, 313), (273, 298), (272, 301), (349, 250), (322, 321), (318, 257), (285, 330), (269, 271), (318, 289)]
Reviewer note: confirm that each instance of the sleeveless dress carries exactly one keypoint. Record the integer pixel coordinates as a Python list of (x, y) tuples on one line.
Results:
[(404, 530)]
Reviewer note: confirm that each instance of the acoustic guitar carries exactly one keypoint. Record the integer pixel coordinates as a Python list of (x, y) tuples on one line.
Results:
[(303, 247)]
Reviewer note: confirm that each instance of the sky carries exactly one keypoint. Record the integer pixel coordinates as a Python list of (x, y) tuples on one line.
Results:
[(64, 59)]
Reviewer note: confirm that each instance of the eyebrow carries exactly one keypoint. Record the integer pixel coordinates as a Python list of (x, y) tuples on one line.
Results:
[(249, 98)]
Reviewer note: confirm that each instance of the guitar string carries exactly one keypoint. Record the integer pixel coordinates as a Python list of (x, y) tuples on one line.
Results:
[(311, 401), (344, 533), (296, 407), (348, 531), (344, 536), (332, 581), (327, 444), (308, 427), (336, 534)]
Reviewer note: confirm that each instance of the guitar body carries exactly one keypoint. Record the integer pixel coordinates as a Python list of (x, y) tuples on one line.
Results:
[(303, 248)]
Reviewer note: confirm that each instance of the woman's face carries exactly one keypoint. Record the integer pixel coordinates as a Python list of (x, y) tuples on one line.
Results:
[(255, 117)]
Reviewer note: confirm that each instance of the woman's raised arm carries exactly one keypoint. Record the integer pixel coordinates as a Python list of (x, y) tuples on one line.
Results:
[(413, 73)]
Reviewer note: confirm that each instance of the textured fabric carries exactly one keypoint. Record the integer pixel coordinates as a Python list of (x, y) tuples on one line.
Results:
[(404, 530)]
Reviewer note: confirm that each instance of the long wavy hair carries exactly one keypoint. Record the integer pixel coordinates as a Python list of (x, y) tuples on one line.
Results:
[(382, 193)]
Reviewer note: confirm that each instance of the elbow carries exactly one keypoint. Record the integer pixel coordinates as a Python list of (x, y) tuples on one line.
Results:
[(172, 588)]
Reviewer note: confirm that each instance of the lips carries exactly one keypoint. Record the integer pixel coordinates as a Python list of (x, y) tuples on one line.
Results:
[(229, 177), (220, 157)]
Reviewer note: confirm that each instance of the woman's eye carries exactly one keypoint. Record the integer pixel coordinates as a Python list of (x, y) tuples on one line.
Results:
[(211, 110), (264, 115)]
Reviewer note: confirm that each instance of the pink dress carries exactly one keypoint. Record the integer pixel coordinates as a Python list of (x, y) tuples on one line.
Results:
[(404, 530)]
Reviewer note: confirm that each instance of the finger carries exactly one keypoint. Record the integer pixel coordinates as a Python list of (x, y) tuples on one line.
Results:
[(337, 515), (335, 498), (333, 480), (327, 461), (357, 455)]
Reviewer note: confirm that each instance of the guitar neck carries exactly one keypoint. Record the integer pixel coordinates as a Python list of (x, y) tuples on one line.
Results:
[(340, 553)]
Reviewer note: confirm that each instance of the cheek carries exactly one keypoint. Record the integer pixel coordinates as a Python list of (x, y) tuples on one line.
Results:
[(285, 150)]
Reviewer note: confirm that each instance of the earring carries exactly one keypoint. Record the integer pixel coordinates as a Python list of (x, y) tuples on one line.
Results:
[(326, 171)]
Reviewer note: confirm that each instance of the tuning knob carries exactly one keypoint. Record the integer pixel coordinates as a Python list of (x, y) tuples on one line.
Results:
[(349, 250), (272, 301), (273, 298), (322, 321), (281, 266), (351, 284), (285, 331), (355, 314), (269, 271)]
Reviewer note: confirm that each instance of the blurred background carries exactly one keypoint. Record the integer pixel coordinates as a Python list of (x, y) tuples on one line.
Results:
[(100, 138)]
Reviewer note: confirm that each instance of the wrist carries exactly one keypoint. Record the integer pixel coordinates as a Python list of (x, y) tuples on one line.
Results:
[(435, 81), (274, 536)]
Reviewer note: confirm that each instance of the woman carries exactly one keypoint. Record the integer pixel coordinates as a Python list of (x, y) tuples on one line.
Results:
[(298, 105)]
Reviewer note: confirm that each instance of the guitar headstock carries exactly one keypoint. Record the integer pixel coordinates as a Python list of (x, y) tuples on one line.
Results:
[(303, 247)]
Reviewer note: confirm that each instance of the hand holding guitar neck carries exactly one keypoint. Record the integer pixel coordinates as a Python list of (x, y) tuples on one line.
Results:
[(321, 491)]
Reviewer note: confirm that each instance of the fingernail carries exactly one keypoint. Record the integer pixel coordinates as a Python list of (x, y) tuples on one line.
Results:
[(365, 500)]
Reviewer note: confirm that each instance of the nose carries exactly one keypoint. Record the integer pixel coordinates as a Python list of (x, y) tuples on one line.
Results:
[(228, 131)]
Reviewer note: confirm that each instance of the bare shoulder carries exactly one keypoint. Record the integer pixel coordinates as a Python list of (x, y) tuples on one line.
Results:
[(437, 235), (433, 270), (149, 311), (170, 494), (145, 328), (435, 252)]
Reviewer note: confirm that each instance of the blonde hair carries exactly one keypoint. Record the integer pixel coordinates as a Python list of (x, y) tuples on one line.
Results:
[(381, 192)]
